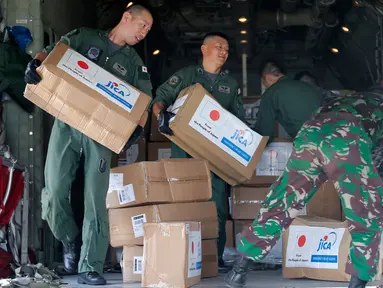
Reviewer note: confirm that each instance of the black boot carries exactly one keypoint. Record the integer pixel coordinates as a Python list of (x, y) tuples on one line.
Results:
[(355, 282), (91, 278), (236, 278), (71, 255)]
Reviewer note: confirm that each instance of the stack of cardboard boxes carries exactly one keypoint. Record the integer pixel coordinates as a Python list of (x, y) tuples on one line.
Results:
[(157, 192)]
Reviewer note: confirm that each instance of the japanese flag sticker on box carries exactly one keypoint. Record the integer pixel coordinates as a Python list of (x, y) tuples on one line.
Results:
[(88, 98), (204, 129), (317, 248), (172, 254)]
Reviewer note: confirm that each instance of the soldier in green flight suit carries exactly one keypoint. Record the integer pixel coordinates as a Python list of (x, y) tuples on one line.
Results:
[(225, 90), (288, 101), (111, 50)]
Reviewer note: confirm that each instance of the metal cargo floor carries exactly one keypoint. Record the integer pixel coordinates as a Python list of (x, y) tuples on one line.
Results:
[(256, 279)]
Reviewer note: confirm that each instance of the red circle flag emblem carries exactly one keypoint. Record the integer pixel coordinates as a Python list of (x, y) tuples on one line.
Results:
[(302, 241), (82, 64), (214, 115)]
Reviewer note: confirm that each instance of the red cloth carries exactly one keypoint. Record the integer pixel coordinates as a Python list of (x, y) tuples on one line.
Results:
[(14, 196), (5, 264)]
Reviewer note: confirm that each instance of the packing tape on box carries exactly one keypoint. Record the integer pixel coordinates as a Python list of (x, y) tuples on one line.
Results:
[(157, 218), (247, 201), (146, 181)]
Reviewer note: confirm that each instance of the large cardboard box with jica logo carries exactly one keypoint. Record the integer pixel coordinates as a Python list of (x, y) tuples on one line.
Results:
[(317, 248), (204, 129), (88, 98)]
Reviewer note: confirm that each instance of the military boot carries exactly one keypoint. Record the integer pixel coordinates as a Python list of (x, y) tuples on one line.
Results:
[(71, 255), (355, 282), (91, 278), (236, 278)]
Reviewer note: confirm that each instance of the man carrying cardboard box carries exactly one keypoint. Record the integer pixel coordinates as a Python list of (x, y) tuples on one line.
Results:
[(288, 101), (215, 50), (112, 51), (336, 144)]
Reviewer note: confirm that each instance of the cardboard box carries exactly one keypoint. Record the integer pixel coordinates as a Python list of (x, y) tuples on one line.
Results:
[(209, 258), (136, 153), (159, 150), (132, 263), (273, 162), (246, 202), (205, 130), (172, 254), (88, 98), (229, 234), (126, 224), (317, 248), (166, 181), (155, 135)]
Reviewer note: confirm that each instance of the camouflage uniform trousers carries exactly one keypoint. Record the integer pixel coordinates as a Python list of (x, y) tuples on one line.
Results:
[(336, 147)]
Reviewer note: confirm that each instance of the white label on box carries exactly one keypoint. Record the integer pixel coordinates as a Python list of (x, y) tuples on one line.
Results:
[(132, 154), (98, 79), (138, 222), (179, 102), (225, 130), (274, 159), (137, 265), (126, 195), (116, 181), (313, 247), (164, 153), (195, 254)]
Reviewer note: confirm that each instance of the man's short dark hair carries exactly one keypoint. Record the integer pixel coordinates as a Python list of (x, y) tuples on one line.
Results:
[(137, 9), (307, 77), (215, 34), (271, 67)]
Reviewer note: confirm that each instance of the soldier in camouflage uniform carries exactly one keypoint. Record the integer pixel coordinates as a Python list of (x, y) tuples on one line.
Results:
[(336, 144)]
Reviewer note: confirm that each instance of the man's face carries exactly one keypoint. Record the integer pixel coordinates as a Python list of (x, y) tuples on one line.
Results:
[(269, 80), (136, 27), (216, 50)]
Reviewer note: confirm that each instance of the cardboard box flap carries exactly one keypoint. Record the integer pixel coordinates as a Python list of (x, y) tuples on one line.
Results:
[(319, 222), (154, 172), (178, 170)]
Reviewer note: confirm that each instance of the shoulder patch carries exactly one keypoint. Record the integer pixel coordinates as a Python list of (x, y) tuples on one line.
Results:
[(174, 81), (93, 53), (143, 73)]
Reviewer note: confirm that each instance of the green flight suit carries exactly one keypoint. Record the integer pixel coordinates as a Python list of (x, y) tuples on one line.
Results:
[(225, 90), (291, 103), (67, 145)]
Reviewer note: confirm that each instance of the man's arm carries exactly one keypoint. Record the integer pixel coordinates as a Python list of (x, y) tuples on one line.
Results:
[(236, 107), (167, 93), (266, 116), (31, 76)]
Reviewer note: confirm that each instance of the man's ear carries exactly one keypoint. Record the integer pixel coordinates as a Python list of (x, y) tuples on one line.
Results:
[(269, 79), (126, 16), (204, 49)]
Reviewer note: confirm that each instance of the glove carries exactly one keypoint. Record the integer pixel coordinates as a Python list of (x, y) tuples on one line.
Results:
[(134, 137), (163, 122), (31, 76)]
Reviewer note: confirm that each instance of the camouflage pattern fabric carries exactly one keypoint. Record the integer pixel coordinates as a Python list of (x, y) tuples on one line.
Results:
[(335, 146)]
